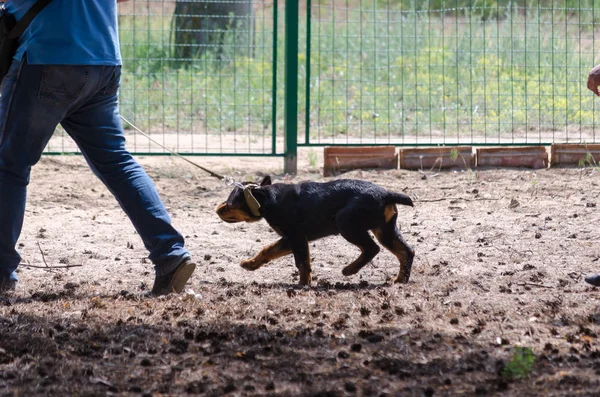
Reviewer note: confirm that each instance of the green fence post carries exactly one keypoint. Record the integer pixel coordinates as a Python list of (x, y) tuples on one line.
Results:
[(291, 87)]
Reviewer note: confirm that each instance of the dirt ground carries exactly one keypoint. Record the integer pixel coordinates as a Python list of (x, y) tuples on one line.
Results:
[(500, 260)]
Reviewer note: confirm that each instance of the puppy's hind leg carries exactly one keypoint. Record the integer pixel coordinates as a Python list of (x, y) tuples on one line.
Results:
[(276, 250), (390, 238), (360, 237)]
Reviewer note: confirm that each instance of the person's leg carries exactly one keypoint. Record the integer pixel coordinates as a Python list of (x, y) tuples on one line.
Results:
[(96, 128), (27, 123)]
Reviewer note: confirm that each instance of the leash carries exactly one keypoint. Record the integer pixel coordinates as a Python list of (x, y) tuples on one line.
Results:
[(213, 174)]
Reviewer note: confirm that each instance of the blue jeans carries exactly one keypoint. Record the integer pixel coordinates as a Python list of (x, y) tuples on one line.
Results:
[(83, 99)]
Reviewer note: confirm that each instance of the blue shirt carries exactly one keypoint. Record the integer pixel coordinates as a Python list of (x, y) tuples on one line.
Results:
[(69, 32)]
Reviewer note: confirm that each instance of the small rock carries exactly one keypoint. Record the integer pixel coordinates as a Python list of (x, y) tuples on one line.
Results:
[(376, 338), (350, 387)]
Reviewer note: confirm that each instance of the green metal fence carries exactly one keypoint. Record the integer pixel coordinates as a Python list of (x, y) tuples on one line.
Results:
[(449, 72), (356, 72)]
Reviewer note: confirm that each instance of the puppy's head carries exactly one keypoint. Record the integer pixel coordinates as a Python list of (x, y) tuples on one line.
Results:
[(242, 204)]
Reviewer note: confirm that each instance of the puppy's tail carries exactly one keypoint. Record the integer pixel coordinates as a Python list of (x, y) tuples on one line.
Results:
[(399, 198)]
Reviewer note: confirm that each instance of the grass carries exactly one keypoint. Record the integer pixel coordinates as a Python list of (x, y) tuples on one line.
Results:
[(588, 161), (312, 158), (379, 72), (521, 364)]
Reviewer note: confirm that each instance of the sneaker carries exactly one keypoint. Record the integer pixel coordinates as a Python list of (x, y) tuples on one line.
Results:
[(594, 280), (7, 285), (174, 281)]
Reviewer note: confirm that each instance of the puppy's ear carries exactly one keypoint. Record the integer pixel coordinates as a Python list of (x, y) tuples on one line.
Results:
[(266, 181)]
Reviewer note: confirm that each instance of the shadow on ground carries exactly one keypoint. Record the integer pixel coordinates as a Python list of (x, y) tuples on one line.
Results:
[(188, 354)]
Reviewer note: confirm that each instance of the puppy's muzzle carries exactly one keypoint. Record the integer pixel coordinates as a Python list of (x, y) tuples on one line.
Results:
[(232, 215)]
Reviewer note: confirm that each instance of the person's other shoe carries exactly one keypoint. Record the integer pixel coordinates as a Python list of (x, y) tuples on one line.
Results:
[(7, 285), (593, 280), (174, 281)]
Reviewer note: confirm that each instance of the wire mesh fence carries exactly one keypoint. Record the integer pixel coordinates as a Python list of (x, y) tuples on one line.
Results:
[(450, 72), (197, 76), (206, 77)]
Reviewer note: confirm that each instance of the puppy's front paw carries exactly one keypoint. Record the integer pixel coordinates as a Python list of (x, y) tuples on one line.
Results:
[(400, 280), (350, 270), (250, 264)]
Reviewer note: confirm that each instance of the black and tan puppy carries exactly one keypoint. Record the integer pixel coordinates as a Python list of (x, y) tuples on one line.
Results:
[(307, 211)]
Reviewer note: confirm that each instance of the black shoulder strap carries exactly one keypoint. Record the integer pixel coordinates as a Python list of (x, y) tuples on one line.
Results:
[(27, 18)]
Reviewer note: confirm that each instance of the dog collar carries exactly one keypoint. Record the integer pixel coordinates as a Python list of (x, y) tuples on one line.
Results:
[(252, 202)]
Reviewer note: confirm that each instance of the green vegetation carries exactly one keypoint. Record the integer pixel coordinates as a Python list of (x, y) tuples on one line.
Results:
[(588, 161), (494, 8), (484, 79), (521, 364), (312, 158)]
